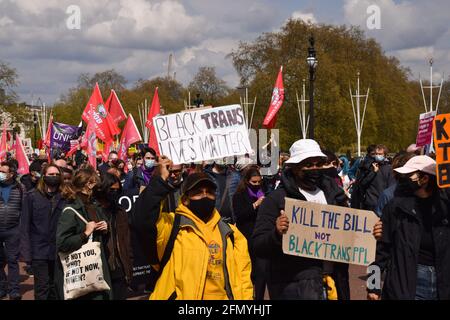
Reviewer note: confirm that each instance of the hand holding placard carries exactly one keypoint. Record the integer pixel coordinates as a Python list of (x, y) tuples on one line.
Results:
[(282, 223)]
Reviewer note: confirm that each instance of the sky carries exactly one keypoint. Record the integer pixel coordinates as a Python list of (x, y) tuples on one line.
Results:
[(135, 37)]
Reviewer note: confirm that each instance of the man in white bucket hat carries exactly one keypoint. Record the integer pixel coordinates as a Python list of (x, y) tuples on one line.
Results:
[(293, 277)]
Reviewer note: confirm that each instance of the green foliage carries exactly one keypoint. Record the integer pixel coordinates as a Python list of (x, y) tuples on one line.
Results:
[(392, 109), (209, 86)]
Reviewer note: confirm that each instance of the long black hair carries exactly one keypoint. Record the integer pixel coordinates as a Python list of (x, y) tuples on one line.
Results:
[(106, 181), (252, 171)]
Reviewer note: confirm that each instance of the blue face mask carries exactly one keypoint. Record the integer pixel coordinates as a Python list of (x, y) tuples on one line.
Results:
[(379, 158), (149, 163)]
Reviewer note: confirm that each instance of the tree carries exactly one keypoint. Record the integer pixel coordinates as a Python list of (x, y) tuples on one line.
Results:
[(211, 88), (8, 81), (106, 80), (393, 108)]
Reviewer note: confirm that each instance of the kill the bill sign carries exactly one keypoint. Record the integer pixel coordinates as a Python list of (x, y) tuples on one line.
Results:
[(329, 233)]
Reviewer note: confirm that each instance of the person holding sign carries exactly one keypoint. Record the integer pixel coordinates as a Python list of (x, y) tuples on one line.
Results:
[(414, 248), (72, 233), (196, 254), (293, 277)]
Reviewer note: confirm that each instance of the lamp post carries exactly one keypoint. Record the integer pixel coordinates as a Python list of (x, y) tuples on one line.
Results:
[(312, 63)]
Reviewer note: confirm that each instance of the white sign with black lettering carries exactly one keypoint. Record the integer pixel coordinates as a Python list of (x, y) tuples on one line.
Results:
[(206, 134)]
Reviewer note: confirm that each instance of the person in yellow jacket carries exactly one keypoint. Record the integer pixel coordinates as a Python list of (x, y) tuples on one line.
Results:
[(209, 259)]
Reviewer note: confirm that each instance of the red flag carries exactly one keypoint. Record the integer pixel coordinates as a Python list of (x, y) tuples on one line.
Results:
[(277, 101), (48, 133), (115, 108), (155, 110), (96, 107), (21, 157), (90, 141), (73, 148), (106, 150), (3, 144), (130, 135)]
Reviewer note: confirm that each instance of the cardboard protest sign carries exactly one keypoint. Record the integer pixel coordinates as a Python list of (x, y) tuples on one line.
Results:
[(330, 233), (202, 134), (425, 132), (442, 145)]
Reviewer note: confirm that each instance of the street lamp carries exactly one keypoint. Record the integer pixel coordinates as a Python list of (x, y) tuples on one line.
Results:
[(312, 63)]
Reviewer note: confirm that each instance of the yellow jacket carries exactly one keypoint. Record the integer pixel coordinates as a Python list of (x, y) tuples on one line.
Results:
[(184, 275)]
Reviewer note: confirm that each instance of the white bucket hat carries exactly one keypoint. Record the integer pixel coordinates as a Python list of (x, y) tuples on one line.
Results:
[(303, 149)]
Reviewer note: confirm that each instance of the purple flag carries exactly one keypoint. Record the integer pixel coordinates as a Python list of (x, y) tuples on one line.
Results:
[(61, 134)]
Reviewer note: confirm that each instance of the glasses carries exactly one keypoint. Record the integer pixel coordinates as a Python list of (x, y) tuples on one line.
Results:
[(200, 194)]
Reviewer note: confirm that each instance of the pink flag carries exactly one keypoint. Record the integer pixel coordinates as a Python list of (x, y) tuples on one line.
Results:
[(3, 144), (276, 102), (21, 157), (130, 135), (155, 110), (115, 108)]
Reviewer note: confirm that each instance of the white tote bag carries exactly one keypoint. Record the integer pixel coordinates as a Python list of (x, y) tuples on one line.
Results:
[(82, 269)]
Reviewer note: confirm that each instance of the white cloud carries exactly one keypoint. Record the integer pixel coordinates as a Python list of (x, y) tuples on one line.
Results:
[(404, 24), (306, 17)]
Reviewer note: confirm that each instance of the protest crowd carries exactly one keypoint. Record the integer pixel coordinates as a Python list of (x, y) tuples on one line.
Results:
[(78, 221)]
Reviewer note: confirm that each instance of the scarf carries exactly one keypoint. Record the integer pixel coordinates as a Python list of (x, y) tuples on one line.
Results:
[(147, 173), (254, 195)]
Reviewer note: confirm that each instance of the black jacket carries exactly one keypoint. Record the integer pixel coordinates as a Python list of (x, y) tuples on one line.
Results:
[(268, 243), (369, 184), (38, 225), (245, 214), (398, 250)]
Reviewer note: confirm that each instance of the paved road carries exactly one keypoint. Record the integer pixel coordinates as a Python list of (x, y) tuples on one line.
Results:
[(357, 284)]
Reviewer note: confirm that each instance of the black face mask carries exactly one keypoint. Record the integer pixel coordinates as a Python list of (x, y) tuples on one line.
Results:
[(202, 208), (311, 177), (52, 181), (331, 172), (254, 188), (407, 186)]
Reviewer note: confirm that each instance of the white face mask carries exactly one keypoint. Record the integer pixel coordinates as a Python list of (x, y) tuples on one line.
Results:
[(149, 163), (3, 176)]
